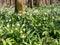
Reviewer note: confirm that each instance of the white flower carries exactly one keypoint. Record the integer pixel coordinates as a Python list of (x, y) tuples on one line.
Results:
[(23, 36), (6, 20), (34, 27), (19, 14), (8, 25), (55, 9), (24, 12), (10, 20), (28, 32), (0, 26), (48, 11), (9, 12), (5, 8), (16, 28), (13, 25), (24, 29), (56, 16), (18, 24), (53, 17), (11, 31), (44, 18), (56, 41), (1, 30), (23, 25), (21, 31), (30, 14), (27, 13), (35, 11), (45, 13)]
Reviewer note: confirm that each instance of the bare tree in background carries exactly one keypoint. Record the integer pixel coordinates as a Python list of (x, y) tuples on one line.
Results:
[(10, 2), (51, 1), (30, 3), (2, 2), (18, 6), (47, 2), (39, 3)]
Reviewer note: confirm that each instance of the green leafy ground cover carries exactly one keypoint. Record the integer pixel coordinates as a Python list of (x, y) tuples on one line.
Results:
[(36, 26)]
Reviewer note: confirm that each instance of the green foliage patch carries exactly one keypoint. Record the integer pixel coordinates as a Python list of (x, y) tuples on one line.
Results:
[(36, 26)]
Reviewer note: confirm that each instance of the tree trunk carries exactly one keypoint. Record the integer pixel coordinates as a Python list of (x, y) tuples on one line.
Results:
[(10, 2), (59, 1), (43, 1), (51, 1), (30, 3), (2, 2), (47, 2), (38, 1), (18, 6)]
